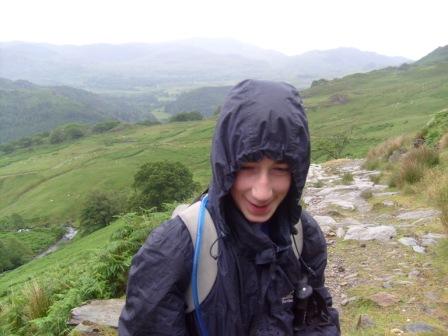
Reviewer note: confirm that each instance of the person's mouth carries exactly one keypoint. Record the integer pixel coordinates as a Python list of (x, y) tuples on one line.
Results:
[(258, 209)]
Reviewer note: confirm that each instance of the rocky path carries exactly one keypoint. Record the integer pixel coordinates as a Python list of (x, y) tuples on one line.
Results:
[(381, 271), (380, 253)]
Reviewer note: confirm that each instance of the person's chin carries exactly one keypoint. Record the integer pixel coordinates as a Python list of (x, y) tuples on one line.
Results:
[(255, 215)]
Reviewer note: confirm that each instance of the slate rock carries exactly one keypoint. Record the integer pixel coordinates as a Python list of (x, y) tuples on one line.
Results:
[(364, 321), (101, 312), (418, 214), (340, 232), (418, 249), (384, 299), (418, 327), (362, 232), (408, 241), (325, 220)]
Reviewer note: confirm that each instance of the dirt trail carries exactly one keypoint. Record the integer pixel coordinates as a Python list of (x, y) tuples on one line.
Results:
[(381, 253)]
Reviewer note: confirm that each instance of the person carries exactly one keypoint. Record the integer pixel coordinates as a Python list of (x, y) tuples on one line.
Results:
[(260, 158)]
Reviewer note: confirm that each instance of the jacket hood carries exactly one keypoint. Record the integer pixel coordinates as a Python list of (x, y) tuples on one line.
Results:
[(259, 118)]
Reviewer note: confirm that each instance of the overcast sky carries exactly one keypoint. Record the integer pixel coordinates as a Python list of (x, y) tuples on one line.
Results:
[(390, 27)]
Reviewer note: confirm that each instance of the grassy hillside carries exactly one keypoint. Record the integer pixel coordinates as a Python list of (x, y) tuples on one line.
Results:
[(376, 106), (26, 108), (45, 185), (49, 184)]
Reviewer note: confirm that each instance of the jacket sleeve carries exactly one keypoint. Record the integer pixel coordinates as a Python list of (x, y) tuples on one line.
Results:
[(314, 256), (159, 276)]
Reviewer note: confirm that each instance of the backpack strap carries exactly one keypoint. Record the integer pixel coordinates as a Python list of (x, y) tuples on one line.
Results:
[(208, 266), (297, 239)]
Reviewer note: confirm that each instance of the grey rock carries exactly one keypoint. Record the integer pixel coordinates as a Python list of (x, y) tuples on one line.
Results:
[(418, 327), (340, 232), (418, 249), (428, 242), (364, 321), (307, 199), (346, 205), (418, 214), (362, 232), (408, 241), (325, 220), (350, 222), (434, 236), (101, 312), (413, 274)]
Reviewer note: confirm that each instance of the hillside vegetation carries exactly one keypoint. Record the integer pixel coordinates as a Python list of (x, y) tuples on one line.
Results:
[(46, 184), (369, 108), (26, 108)]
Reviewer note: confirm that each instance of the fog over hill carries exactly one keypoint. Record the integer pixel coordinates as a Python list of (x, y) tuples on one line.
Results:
[(194, 62)]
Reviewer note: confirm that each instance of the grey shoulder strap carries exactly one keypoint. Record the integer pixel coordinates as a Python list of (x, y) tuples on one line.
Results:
[(297, 239), (208, 266)]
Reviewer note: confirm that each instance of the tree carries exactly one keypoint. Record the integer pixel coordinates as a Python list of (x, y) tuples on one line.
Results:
[(187, 116), (161, 182), (98, 211), (57, 136), (13, 253), (334, 145), (73, 132)]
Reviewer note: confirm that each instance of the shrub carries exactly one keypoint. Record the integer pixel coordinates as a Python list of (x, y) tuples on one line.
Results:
[(375, 178), (105, 126), (367, 194), (37, 300), (436, 182), (347, 178), (74, 132), (7, 148), (436, 127), (414, 164), (98, 211), (186, 116), (383, 151), (411, 171), (57, 136), (161, 182), (333, 146), (149, 122), (427, 156), (13, 253)]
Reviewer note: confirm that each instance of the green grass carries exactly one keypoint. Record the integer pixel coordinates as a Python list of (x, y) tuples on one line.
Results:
[(50, 185), (381, 104)]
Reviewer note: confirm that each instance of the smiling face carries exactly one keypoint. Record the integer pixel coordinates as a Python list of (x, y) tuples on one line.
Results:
[(260, 187)]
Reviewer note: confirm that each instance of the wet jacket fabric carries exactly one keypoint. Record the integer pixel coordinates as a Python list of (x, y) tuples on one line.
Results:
[(259, 280)]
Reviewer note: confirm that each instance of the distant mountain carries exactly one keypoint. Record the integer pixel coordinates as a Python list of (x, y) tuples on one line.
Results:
[(339, 62), (26, 108), (437, 56), (197, 62)]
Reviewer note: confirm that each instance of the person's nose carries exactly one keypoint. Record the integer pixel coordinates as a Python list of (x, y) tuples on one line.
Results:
[(262, 188)]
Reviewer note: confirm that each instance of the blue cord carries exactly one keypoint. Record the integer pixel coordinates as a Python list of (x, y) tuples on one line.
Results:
[(197, 251)]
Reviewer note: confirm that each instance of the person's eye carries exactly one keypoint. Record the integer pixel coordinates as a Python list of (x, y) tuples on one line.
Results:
[(247, 168), (282, 170)]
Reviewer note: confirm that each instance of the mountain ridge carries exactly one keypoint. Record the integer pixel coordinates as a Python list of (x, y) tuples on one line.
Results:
[(194, 61)]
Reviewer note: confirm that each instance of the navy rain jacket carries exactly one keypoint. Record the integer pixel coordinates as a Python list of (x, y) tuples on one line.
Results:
[(259, 277)]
